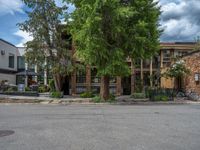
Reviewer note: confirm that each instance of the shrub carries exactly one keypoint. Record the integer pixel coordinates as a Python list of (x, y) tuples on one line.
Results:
[(156, 94), (27, 89), (87, 95), (52, 85), (56, 94), (15, 88), (27, 93), (111, 98), (148, 92), (43, 89), (138, 95), (12, 89), (161, 98), (164, 98), (96, 99), (4, 87)]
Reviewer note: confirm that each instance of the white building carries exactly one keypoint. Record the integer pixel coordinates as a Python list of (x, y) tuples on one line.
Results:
[(8, 61)]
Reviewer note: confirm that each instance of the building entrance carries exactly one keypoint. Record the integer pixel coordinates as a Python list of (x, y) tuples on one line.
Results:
[(66, 86), (126, 85)]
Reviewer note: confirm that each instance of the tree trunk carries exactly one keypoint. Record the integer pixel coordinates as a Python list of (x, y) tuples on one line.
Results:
[(104, 91), (142, 75), (132, 77), (58, 82)]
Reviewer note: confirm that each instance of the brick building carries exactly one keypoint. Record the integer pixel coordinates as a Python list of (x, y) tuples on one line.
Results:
[(146, 72), (192, 80), (142, 71)]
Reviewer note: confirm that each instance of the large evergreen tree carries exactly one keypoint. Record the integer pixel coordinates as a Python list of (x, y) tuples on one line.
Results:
[(44, 24), (142, 30), (106, 32)]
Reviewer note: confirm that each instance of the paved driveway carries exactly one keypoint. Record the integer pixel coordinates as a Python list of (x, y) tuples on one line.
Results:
[(45, 127)]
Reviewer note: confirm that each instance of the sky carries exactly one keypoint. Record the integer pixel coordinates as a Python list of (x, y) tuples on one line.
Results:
[(180, 20)]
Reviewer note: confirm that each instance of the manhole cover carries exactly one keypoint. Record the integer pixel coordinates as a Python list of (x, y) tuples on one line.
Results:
[(6, 133)]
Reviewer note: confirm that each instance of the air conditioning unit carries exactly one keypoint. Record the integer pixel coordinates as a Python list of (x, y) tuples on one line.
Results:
[(3, 52)]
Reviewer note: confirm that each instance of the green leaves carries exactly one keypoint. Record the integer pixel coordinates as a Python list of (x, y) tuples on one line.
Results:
[(178, 69), (106, 32), (44, 24)]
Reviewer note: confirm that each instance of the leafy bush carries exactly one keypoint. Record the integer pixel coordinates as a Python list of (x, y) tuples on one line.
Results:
[(178, 69), (161, 98), (138, 95), (87, 95), (96, 99), (148, 92), (111, 98), (27, 89), (27, 93), (52, 85), (155, 94), (56, 94), (139, 87), (3, 86), (12, 89), (43, 89)]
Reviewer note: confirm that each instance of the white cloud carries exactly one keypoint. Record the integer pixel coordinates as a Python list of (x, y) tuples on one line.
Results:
[(10, 6), (25, 37), (180, 20)]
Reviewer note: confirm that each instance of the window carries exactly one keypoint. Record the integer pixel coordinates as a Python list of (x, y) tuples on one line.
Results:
[(182, 53), (11, 61), (20, 62), (80, 77), (196, 78), (166, 58)]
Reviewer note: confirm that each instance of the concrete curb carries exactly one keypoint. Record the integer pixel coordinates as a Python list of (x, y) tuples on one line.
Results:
[(60, 102), (5, 99)]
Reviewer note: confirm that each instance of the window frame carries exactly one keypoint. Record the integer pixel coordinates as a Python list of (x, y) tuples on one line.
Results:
[(11, 63)]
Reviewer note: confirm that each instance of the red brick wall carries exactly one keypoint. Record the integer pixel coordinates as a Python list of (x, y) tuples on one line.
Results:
[(193, 63)]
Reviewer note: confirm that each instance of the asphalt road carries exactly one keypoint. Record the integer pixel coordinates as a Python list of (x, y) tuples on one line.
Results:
[(45, 127)]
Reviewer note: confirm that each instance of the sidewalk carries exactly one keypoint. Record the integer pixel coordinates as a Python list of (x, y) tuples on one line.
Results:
[(42, 99), (122, 100)]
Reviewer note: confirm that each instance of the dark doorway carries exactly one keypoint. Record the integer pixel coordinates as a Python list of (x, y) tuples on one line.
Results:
[(179, 83), (66, 86), (126, 84)]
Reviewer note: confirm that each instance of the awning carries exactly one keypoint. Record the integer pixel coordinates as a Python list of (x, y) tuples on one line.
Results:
[(28, 73)]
